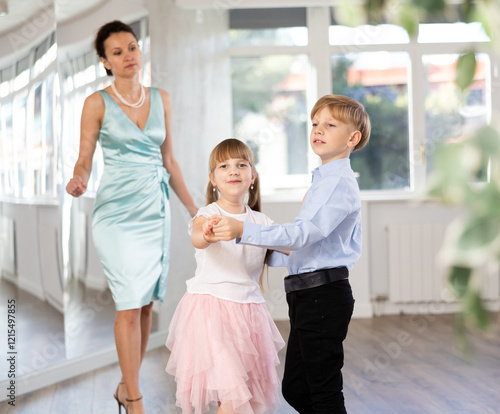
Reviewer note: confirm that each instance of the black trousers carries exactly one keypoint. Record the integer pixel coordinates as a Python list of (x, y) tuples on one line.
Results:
[(319, 317)]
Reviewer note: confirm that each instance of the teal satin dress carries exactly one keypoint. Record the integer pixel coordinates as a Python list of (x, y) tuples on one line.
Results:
[(131, 218)]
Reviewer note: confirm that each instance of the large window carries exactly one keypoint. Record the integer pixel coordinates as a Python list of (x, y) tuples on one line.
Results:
[(269, 107), (379, 80), (406, 85), (270, 79), (6, 149), (28, 148), (448, 116)]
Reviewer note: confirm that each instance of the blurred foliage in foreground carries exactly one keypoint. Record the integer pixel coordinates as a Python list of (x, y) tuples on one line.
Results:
[(473, 241), (467, 173)]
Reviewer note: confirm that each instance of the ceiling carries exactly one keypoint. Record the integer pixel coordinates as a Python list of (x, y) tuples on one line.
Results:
[(23, 11)]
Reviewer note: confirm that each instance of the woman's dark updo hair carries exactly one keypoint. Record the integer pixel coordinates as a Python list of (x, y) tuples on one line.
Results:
[(107, 30)]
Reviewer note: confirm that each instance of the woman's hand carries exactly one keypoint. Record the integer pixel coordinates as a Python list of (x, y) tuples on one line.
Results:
[(192, 210), (76, 186)]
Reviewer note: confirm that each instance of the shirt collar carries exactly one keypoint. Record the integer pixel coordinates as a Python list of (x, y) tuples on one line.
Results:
[(334, 167)]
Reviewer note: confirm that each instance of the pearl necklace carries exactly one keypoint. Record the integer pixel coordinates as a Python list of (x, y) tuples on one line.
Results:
[(138, 104)]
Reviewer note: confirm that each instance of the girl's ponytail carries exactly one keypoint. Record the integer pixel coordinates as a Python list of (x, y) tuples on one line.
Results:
[(212, 194)]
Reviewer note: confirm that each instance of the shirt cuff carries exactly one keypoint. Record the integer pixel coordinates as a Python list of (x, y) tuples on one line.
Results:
[(250, 234)]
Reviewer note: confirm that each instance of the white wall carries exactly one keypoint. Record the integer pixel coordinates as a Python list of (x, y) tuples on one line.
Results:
[(17, 42), (73, 32)]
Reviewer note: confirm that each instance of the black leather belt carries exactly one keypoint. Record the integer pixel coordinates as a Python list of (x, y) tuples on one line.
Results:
[(315, 279)]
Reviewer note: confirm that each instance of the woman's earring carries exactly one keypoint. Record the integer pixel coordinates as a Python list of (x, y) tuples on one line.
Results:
[(214, 188), (251, 187)]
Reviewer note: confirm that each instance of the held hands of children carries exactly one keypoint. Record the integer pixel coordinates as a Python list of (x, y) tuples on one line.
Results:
[(222, 228), (206, 228)]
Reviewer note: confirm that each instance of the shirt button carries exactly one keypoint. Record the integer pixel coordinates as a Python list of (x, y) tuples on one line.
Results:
[(250, 239)]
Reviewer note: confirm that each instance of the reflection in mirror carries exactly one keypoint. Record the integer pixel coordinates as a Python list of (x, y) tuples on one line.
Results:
[(90, 310), (48, 265), (31, 271)]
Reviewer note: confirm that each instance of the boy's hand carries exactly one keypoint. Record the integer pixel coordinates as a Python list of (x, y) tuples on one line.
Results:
[(226, 228)]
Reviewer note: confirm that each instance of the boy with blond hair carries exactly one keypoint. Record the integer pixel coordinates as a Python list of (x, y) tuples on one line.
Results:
[(324, 243)]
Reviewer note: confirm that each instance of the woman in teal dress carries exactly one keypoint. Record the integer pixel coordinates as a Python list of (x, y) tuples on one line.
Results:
[(131, 219)]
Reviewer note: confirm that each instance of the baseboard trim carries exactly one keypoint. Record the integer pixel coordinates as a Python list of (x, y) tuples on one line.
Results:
[(425, 308), (31, 288)]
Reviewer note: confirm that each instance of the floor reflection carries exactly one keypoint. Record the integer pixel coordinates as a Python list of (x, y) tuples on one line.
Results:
[(45, 336), (40, 339)]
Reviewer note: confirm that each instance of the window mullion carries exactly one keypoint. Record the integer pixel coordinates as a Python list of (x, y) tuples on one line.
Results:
[(416, 121), (256, 51), (318, 21), (319, 79)]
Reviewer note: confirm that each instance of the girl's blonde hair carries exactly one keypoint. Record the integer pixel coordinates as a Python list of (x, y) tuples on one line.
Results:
[(234, 148)]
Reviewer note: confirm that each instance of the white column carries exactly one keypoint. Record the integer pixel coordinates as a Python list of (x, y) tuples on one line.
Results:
[(189, 59)]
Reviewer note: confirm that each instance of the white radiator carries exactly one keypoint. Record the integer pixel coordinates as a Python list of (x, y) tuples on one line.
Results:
[(414, 272)]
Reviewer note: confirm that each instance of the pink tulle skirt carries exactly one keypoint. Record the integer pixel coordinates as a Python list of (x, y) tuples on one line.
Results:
[(224, 351)]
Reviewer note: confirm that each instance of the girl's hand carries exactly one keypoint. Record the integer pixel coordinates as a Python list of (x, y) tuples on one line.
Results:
[(209, 225), (226, 228), (206, 228), (76, 186)]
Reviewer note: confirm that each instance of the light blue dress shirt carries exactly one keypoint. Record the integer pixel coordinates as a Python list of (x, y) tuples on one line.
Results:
[(327, 231)]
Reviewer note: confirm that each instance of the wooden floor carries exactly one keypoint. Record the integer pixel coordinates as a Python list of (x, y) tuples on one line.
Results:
[(394, 365)]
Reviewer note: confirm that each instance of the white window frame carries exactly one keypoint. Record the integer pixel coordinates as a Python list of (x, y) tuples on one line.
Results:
[(49, 68), (319, 52)]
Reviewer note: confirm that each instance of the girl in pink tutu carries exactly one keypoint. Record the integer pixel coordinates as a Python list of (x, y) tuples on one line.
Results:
[(224, 344)]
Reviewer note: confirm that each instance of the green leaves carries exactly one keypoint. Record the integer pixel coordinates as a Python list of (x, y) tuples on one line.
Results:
[(473, 240), (487, 140), (473, 306), (459, 279), (466, 68), (477, 235), (473, 309), (350, 13), (408, 17)]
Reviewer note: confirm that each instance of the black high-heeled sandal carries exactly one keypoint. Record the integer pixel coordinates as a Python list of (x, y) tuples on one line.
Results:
[(120, 404), (130, 401)]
